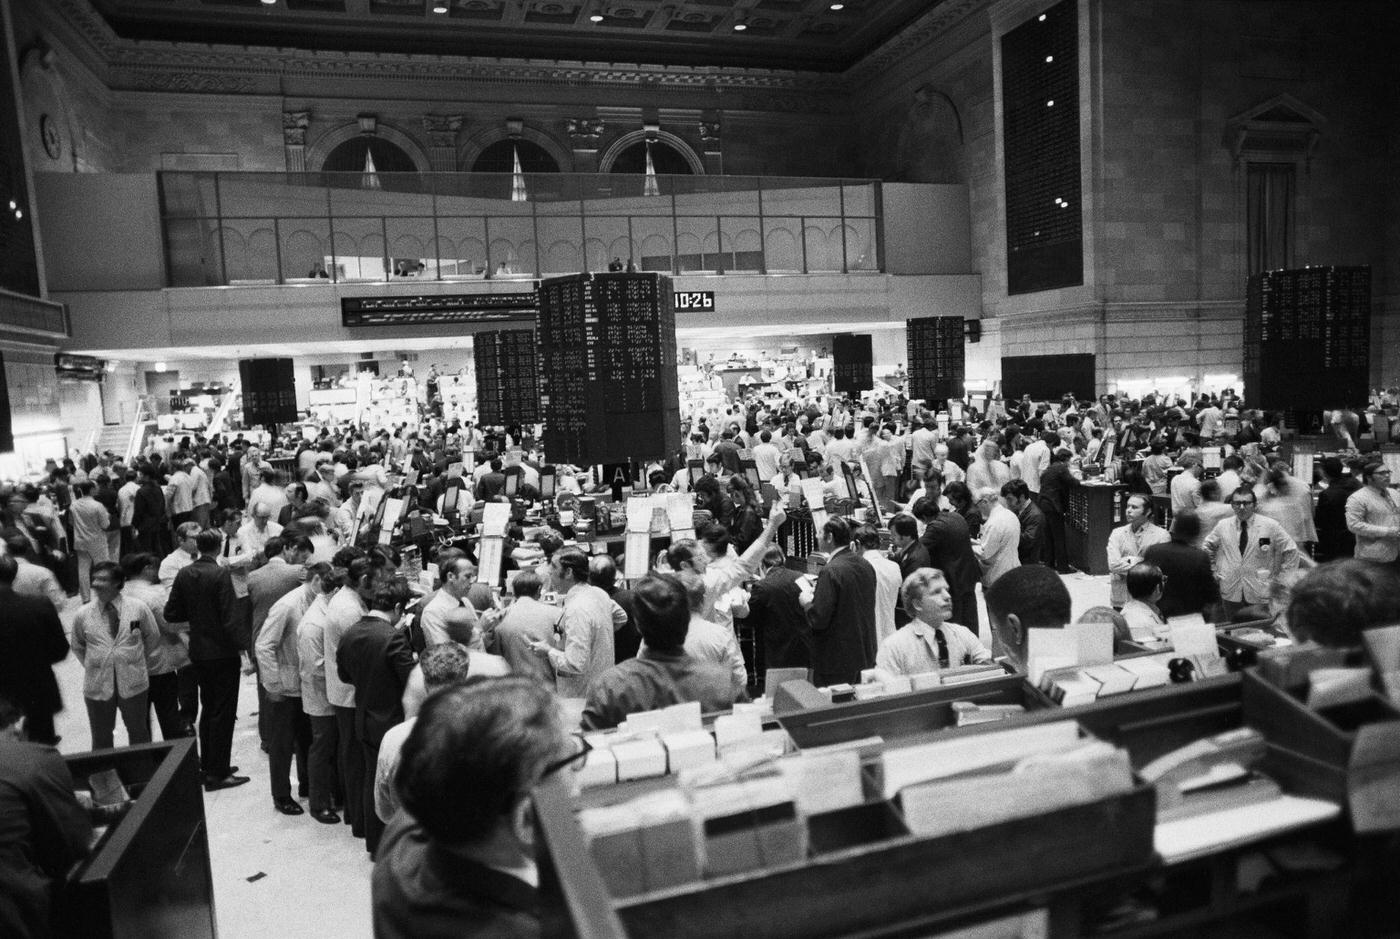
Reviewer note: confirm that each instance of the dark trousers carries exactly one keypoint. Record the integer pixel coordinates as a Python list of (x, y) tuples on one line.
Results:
[(102, 715), (321, 763), (1055, 552), (351, 760), (289, 735), (374, 828), (188, 696), (218, 701), (164, 694)]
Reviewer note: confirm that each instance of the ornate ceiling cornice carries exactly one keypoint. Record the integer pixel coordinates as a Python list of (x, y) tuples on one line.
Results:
[(912, 39), (185, 67)]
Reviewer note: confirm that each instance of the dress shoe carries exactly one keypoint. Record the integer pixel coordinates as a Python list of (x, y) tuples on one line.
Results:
[(288, 806), (214, 783), (326, 817)]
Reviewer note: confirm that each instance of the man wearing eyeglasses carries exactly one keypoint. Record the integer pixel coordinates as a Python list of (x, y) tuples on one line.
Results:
[(460, 860), (1373, 516), (1248, 551)]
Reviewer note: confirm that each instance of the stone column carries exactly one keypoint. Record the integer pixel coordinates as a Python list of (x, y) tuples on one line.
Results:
[(442, 140), (584, 134), (711, 151), (294, 124)]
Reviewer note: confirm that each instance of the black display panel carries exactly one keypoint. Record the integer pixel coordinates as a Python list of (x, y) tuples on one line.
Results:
[(608, 386), (507, 385), (19, 261), (7, 429), (937, 357), (1047, 377), (1040, 144), (437, 309), (853, 363), (269, 391), (1307, 338)]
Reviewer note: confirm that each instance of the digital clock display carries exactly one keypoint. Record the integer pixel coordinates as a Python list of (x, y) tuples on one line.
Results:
[(694, 300)]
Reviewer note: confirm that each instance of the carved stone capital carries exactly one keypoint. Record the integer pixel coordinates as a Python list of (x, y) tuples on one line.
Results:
[(442, 128), (584, 132), (710, 131), (294, 124)]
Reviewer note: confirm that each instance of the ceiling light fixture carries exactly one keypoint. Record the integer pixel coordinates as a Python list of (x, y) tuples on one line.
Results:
[(838, 7), (740, 24), (595, 17), (268, 3), (440, 6)]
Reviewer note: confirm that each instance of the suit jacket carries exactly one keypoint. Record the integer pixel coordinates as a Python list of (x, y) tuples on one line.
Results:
[(842, 616), (376, 658), (1054, 487), (909, 561), (1032, 542), (43, 831), (149, 512), (1190, 585), (1239, 577), (268, 584), (949, 547), (202, 595), (778, 620), (31, 640), (1334, 539)]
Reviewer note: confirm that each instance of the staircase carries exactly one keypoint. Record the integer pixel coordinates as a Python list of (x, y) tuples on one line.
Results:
[(112, 437)]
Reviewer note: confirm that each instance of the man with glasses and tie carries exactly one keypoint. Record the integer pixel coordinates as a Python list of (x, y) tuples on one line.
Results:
[(1248, 551), (1373, 516), (460, 861)]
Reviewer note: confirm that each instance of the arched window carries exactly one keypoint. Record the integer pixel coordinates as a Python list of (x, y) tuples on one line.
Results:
[(667, 159), (499, 157), (349, 157)]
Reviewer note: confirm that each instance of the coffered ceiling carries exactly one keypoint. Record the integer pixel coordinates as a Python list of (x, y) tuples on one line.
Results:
[(809, 35)]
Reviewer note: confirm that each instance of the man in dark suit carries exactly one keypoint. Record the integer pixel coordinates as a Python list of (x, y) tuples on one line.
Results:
[(376, 658), (841, 610), (1055, 483), (45, 830), (202, 596), (909, 553), (31, 641), (1334, 539), (948, 544), (1019, 499), (776, 615), (1189, 585), (148, 517)]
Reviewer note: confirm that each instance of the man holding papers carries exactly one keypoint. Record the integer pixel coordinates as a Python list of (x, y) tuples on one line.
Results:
[(1022, 599), (929, 642)]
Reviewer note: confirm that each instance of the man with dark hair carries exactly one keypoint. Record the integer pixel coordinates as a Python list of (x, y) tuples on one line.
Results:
[(1128, 543), (464, 866), (865, 541), (1189, 585), (1022, 599), (1247, 552), (1144, 618), (1020, 500), (202, 596), (776, 614), (173, 652), (841, 610), (662, 674), (1334, 539), (587, 626), (113, 637), (31, 643), (909, 553), (947, 543), (288, 729), (148, 519), (526, 621), (1055, 484), (376, 659), (45, 830), (1335, 603), (1373, 516)]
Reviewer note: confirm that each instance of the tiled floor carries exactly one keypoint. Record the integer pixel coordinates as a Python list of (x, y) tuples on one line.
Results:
[(316, 879)]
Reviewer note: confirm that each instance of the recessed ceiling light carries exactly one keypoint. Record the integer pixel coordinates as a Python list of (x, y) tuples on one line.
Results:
[(595, 17), (1049, 58), (740, 27), (1042, 16), (440, 6), (838, 6), (268, 3)]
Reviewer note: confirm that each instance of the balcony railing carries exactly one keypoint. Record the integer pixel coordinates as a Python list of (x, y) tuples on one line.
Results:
[(230, 229)]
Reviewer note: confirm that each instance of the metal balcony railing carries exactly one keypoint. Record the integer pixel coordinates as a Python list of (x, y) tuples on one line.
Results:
[(231, 229)]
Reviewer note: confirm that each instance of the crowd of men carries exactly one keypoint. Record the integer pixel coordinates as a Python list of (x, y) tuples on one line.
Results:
[(200, 562)]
